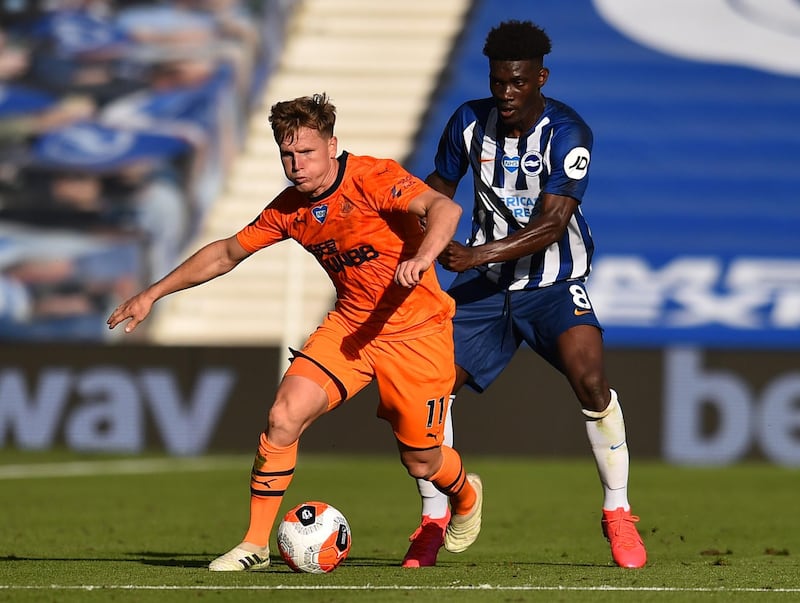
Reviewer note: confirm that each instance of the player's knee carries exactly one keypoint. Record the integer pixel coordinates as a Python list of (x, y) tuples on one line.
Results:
[(419, 466), (593, 392), (283, 427)]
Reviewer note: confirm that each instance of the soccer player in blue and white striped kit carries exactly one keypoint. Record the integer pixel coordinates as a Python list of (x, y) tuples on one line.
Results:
[(521, 275)]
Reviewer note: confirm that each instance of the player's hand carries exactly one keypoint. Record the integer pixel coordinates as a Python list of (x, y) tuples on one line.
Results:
[(409, 273), (136, 309), (457, 257)]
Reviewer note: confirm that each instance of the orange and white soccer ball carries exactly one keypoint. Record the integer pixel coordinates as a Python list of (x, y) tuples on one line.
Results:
[(314, 537)]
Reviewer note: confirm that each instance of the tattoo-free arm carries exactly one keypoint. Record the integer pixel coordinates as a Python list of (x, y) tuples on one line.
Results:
[(555, 212), (441, 215), (209, 262)]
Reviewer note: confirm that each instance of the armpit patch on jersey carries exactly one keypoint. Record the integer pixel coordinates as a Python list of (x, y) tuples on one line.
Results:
[(576, 163)]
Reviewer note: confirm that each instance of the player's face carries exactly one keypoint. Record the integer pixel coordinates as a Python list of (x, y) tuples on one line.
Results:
[(309, 161), (515, 88)]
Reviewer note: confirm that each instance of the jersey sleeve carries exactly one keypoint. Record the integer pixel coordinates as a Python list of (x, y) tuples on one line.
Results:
[(390, 187), (570, 155), (267, 228), (452, 159)]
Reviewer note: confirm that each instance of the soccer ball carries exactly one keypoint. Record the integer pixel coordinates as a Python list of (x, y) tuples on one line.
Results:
[(314, 537)]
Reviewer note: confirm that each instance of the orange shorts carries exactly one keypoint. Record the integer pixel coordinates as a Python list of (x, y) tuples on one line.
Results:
[(415, 377)]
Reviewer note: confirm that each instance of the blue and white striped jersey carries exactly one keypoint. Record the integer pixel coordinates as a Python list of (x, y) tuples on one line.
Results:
[(510, 174)]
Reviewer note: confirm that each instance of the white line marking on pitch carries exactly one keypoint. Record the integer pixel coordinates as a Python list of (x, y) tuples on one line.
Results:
[(400, 587), (119, 466)]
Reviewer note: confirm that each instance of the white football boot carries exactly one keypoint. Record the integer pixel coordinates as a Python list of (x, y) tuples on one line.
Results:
[(463, 530), (239, 559)]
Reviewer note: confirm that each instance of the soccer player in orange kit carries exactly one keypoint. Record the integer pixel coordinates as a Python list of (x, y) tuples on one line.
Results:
[(361, 218)]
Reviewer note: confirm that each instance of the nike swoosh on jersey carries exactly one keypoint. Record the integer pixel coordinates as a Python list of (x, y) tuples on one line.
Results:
[(620, 445), (581, 312)]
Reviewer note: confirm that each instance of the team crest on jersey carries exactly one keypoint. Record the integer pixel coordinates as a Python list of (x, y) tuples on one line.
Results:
[(320, 212), (531, 163), (511, 164)]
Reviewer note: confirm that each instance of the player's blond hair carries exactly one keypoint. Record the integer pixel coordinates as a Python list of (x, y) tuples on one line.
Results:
[(315, 112)]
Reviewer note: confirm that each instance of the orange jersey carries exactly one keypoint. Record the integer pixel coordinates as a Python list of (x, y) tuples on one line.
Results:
[(359, 231)]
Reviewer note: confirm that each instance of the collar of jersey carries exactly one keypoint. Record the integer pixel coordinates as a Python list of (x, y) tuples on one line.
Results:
[(339, 176)]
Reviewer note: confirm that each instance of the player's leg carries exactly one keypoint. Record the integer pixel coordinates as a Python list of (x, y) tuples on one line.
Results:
[(308, 390), (483, 343), (300, 399), (559, 323), (464, 491), (428, 538), (415, 379), (434, 503), (581, 356)]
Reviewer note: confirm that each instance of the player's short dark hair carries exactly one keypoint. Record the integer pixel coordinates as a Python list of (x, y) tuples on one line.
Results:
[(315, 112), (516, 41)]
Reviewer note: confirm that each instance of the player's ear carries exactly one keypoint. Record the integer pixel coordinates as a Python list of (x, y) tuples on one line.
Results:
[(544, 73), (333, 147)]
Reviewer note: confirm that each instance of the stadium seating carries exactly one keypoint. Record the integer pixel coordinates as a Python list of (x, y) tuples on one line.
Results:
[(119, 123)]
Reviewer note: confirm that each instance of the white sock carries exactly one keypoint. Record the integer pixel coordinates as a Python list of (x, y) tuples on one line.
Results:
[(434, 503), (606, 431)]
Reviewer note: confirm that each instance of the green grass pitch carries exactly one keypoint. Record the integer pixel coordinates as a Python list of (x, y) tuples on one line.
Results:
[(144, 528)]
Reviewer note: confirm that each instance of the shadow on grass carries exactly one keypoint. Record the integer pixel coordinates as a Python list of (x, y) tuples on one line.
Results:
[(201, 560), (276, 562), (144, 558)]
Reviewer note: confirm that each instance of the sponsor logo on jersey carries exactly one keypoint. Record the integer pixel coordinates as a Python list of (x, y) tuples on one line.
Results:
[(320, 212), (325, 248), (405, 183), (352, 257), (520, 207), (327, 253), (576, 163)]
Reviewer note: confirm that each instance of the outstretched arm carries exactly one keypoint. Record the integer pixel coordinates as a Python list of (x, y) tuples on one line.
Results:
[(211, 261)]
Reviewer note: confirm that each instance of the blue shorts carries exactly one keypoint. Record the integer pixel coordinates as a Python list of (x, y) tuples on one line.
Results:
[(491, 323)]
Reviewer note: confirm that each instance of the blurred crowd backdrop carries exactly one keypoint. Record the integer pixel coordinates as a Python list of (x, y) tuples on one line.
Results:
[(119, 120)]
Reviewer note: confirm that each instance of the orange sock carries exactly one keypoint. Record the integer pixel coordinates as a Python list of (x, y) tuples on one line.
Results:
[(451, 479), (272, 473)]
